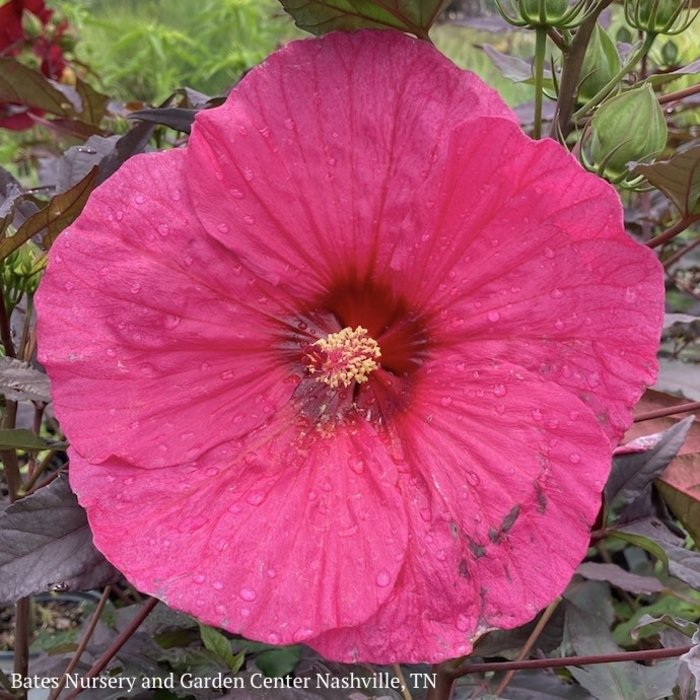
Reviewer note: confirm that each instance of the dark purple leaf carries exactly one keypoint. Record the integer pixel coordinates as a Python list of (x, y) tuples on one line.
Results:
[(177, 118), (617, 576), (60, 212), (20, 381), (93, 104), (78, 161), (22, 85), (678, 178), (589, 635), (653, 536), (45, 542), (634, 474)]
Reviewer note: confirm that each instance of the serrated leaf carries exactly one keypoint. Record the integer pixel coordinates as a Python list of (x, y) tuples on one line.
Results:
[(45, 541), (20, 381), (22, 85), (678, 178), (679, 486), (321, 16), (22, 439), (634, 473), (278, 662), (219, 645), (60, 212)]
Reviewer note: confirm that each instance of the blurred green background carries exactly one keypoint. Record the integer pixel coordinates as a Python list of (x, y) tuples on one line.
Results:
[(144, 49)]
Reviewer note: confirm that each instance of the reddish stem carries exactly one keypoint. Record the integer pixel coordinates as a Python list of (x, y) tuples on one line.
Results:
[(679, 254), (118, 643), (675, 230), (670, 411), (531, 664), (679, 94)]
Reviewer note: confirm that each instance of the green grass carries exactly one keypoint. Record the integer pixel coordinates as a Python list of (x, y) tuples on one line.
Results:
[(144, 49)]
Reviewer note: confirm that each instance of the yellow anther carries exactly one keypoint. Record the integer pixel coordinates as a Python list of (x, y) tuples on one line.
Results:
[(344, 357)]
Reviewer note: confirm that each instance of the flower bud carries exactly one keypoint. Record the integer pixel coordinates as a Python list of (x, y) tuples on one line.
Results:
[(543, 13), (658, 16), (669, 53), (627, 127), (20, 271), (600, 64), (31, 25)]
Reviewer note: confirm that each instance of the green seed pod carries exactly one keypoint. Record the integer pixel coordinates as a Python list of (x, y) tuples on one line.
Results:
[(627, 127), (600, 64), (543, 13), (658, 16), (669, 53)]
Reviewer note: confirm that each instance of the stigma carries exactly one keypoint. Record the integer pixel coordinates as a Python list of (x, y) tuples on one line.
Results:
[(341, 358)]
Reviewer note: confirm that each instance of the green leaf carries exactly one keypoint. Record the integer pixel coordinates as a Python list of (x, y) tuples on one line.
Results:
[(25, 86), (278, 662), (653, 536), (60, 212), (220, 646), (22, 439), (321, 16), (678, 178)]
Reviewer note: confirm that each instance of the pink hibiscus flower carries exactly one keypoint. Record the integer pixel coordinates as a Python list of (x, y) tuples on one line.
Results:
[(348, 370)]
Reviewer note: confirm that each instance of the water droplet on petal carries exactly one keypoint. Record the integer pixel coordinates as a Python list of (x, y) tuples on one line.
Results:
[(445, 401), (248, 594), (172, 321), (473, 478), (500, 390), (199, 578), (494, 316), (556, 293), (383, 578), (273, 638), (139, 199), (245, 612), (462, 623), (548, 253), (223, 228), (574, 458), (537, 414), (237, 194), (255, 498), (218, 585)]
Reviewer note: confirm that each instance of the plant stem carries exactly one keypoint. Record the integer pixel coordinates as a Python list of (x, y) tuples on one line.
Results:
[(670, 262), (5, 328), (642, 51), (21, 660), (540, 52), (536, 632), (531, 664), (672, 232), (670, 411), (679, 94), (444, 682), (572, 71), (118, 643), (405, 692), (83, 643)]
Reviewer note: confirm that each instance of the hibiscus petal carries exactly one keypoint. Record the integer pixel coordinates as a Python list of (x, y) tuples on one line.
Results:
[(326, 144), (496, 530), (529, 212), (279, 536), (158, 328)]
